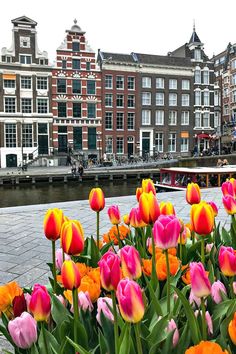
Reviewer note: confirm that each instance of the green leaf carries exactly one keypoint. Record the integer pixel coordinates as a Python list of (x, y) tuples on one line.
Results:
[(6, 334), (125, 341), (59, 311), (108, 333), (93, 252), (82, 335), (158, 333), (221, 309), (154, 299), (184, 340), (34, 349), (78, 347), (226, 237), (192, 251), (102, 342)]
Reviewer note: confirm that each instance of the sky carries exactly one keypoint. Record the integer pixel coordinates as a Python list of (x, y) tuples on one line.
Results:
[(125, 26)]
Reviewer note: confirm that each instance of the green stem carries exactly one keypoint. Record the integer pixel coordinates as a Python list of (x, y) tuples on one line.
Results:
[(76, 314), (54, 266), (118, 235), (98, 229), (115, 322), (204, 326), (44, 338), (202, 250), (193, 237), (168, 281), (138, 338)]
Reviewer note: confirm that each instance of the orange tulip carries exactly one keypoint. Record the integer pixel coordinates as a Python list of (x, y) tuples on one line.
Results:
[(147, 266), (72, 237), (193, 193), (96, 199), (186, 274), (7, 294), (232, 329), (112, 234), (126, 219), (70, 275), (206, 347), (149, 208), (202, 218), (53, 221), (161, 268), (148, 186), (167, 208)]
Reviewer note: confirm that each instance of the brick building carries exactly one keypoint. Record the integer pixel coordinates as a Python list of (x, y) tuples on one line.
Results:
[(25, 101)]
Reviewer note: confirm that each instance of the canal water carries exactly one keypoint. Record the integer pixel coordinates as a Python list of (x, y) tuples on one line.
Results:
[(60, 192)]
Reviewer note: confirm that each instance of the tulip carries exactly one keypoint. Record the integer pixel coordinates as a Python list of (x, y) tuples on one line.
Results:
[(104, 304), (206, 347), (209, 247), (19, 305), (166, 231), (84, 302), (114, 214), (208, 320), (229, 203), (167, 208), (214, 208), (171, 327), (139, 191), (194, 299), (40, 303), (126, 219), (148, 186), (130, 300), (217, 289), (135, 218), (59, 258), (227, 261), (72, 237), (232, 329), (23, 330), (234, 287), (70, 275), (149, 208), (200, 283), (52, 223), (202, 218), (110, 271), (130, 262), (96, 199), (233, 182), (193, 193), (227, 189)]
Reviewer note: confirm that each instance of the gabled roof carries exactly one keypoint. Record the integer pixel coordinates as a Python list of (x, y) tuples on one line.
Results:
[(24, 20), (150, 59), (194, 37), (117, 57)]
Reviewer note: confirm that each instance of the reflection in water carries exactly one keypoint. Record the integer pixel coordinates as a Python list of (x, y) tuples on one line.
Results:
[(58, 192)]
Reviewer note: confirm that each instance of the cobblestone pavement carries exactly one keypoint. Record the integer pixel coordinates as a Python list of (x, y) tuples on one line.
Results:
[(24, 250)]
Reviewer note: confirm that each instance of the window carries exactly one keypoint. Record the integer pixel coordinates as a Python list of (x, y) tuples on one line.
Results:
[(25, 59), (172, 118), (160, 83), (109, 145), (233, 64), (108, 120), (120, 82), (185, 100), (172, 99), (146, 82), (234, 96), (88, 65), (131, 101), (131, 83), (146, 117), (197, 75), (61, 107), (198, 98), (9, 83), (206, 119), (75, 46), (10, 104), (8, 59), (185, 84), (77, 112), (108, 100), (10, 134), (159, 99), (197, 54), (130, 121), (26, 105), (25, 82), (92, 138), (159, 142), (108, 81), (159, 117), (233, 79), (226, 109), (63, 63), (198, 120), (206, 100), (184, 145), (42, 105), (91, 110), (42, 83), (146, 98), (76, 86), (119, 121), (172, 142), (216, 98), (119, 100), (61, 85), (173, 84), (27, 135), (77, 138), (76, 64), (206, 76), (119, 145), (24, 42), (185, 118), (91, 87), (216, 120)]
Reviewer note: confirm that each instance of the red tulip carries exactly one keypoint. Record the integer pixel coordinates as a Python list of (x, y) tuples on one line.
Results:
[(19, 305), (72, 237), (53, 221), (96, 199), (202, 218), (193, 193), (70, 275)]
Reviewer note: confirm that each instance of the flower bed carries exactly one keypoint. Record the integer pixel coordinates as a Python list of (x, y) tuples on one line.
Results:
[(150, 284)]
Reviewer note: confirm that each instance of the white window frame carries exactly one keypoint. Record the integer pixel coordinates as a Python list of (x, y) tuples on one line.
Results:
[(198, 118), (110, 120), (121, 139), (120, 80), (206, 113), (15, 104), (184, 144), (160, 99), (41, 80), (146, 82), (25, 78), (197, 98), (185, 118), (129, 81), (197, 75), (29, 106), (109, 81), (160, 83), (172, 118), (173, 84), (109, 144), (206, 98), (146, 98), (25, 61), (146, 117), (185, 100), (197, 54), (159, 117), (42, 99), (206, 76), (159, 137), (108, 100), (185, 84), (172, 138), (173, 99)]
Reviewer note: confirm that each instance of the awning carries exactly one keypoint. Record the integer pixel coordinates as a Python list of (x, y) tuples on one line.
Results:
[(9, 76), (203, 136)]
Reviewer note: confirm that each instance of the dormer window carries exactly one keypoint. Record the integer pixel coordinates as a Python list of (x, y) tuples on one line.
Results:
[(75, 46), (25, 42), (197, 54), (25, 59)]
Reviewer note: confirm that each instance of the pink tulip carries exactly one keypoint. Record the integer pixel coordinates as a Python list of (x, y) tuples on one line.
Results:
[(194, 300), (59, 258), (234, 287), (229, 203), (209, 247), (61, 299), (172, 327), (85, 301), (40, 303), (227, 188), (104, 304), (130, 262), (208, 321), (114, 214), (227, 261), (23, 330), (110, 271), (166, 231), (214, 208), (200, 284), (217, 289)]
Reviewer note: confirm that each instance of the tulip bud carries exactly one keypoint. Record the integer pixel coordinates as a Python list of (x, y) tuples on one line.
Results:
[(130, 262), (72, 237), (227, 261), (166, 231), (114, 214), (167, 208), (59, 258), (227, 189), (202, 218), (194, 300), (96, 199), (148, 186), (229, 203), (208, 321), (130, 300), (139, 191), (70, 275), (23, 330), (233, 182), (19, 305), (110, 271), (200, 283), (52, 224), (209, 247), (135, 218), (104, 304), (126, 219), (214, 208), (84, 302), (171, 327), (193, 193), (217, 289), (149, 208), (40, 303)]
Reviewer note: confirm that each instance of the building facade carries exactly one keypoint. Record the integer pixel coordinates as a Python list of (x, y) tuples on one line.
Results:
[(25, 99), (76, 97)]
